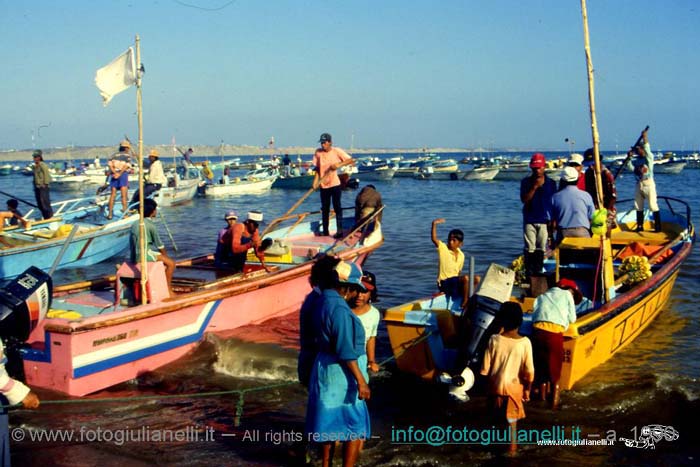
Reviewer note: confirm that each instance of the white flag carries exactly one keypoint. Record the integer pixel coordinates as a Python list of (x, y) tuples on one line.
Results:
[(117, 76)]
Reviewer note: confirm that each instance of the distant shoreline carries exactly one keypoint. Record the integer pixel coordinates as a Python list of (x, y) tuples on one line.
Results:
[(104, 152)]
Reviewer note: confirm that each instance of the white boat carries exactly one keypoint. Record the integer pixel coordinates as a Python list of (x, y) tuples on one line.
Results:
[(382, 173), (182, 186), (669, 166), (238, 187), (481, 173), (69, 182), (430, 173)]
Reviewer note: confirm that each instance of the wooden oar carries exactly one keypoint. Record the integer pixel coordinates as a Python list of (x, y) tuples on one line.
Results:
[(167, 229), (305, 195), (57, 261), (20, 199), (629, 156)]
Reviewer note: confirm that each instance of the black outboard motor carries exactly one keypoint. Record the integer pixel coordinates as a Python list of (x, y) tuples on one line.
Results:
[(24, 302)]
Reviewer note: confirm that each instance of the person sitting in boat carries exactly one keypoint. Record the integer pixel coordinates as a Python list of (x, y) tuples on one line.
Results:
[(450, 280), (367, 201), (609, 190), (244, 237), (572, 209), (646, 187), (11, 392), (222, 256), (15, 216), (156, 177), (322, 277), (119, 166), (338, 389), (553, 312), (286, 162), (155, 249), (225, 178), (508, 366), (369, 317), (295, 170), (536, 193)]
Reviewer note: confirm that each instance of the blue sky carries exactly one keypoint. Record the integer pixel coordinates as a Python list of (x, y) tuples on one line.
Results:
[(504, 74)]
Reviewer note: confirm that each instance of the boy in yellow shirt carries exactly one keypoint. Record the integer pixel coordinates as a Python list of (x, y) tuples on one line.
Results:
[(450, 262)]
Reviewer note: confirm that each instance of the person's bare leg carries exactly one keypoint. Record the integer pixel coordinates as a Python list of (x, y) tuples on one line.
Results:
[(513, 448), (125, 202), (351, 452), (112, 195), (327, 450)]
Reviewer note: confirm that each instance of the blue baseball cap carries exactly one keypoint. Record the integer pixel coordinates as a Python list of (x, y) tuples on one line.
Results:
[(350, 273)]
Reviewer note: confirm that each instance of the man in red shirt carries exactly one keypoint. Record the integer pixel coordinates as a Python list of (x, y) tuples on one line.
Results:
[(327, 160)]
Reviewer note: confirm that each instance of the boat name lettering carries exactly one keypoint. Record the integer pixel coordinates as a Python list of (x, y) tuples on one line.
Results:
[(107, 340)]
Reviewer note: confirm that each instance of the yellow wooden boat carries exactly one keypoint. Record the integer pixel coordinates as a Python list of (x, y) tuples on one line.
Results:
[(429, 336)]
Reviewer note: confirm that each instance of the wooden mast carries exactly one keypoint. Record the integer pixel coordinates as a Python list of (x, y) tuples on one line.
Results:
[(596, 141), (142, 225)]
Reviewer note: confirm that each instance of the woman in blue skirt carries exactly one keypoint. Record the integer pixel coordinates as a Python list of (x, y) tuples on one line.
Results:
[(338, 388)]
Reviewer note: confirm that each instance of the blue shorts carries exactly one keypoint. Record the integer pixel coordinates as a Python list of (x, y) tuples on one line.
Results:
[(120, 182), (450, 287)]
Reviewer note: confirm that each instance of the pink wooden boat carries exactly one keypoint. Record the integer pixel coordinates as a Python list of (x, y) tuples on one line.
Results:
[(94, 338)]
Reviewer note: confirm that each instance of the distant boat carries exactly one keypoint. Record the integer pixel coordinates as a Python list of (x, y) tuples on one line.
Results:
[(481, 173), (669, 166), (294, 182), (69, 182), (6, 169), (381, 173), (182, 186), (237, 187)]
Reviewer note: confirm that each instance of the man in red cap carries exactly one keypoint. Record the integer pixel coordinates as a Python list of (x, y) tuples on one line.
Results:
[(536, 193)]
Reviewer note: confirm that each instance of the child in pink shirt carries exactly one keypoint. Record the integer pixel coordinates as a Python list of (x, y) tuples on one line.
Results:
[(509, 368)]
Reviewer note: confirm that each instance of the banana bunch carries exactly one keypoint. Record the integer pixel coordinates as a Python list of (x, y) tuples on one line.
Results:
[(518, 266), (637, 269), (599, 221)]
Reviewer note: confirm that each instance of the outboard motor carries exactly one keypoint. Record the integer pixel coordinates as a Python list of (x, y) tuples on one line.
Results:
[(24, 302), (494, 289)]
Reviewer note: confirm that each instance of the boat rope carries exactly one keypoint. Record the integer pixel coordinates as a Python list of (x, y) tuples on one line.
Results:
[(240, 392)]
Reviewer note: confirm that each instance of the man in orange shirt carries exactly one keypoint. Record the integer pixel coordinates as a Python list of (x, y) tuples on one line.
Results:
[(327, 160)]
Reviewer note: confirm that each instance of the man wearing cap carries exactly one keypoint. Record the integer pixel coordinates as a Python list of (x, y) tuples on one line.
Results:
[(646, 187), (609, 190), (42, 179), (572, 208), (553, 312), (156, 177), (222, 256), (119, 166), (328, 159), (245, 236), (536, 193), (576, 161)]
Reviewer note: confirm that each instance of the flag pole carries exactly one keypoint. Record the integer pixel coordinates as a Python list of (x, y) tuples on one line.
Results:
[(142, 225)]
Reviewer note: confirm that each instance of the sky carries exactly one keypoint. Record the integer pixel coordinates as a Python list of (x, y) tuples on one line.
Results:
[(375, 74)]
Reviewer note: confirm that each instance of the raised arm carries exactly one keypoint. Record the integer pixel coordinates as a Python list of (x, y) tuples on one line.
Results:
[(433, 230)]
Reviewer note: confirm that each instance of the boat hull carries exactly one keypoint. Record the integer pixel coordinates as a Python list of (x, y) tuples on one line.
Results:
[(172, 196), (302, 182), (238, 188)]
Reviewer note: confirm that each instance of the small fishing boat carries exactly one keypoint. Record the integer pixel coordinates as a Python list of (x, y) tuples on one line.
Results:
[(377, 173), (5, 169), (237, 187), (95, 240), (294, 182), (98, 333), (481, 173), (183, 183), (69, 182), (429, 173), (669, 166), (430, 336)]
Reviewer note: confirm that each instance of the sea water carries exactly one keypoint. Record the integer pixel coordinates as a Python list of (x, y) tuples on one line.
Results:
[(654, 381)]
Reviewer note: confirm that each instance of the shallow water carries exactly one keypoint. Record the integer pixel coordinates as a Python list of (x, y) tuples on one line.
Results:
[(653, 381)]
